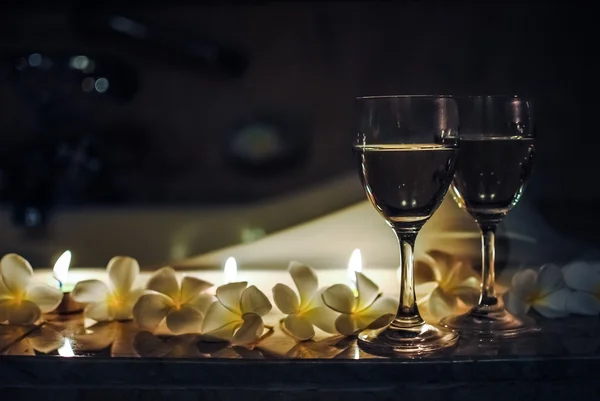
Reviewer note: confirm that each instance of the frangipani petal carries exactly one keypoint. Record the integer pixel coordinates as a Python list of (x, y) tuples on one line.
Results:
[(218, 317), (340, 298), (25, 312), (467, 294), (122, 272), (230, 294), (184, 320), (381, 322), (98, 311), (15, 272), (515, 304), (581, 276), (583, 303), (425, 289), (285, 298), (381, 307), (165, 282), (254, 301), (306, 281), (426, 269), (441, 304), (346, 325), (4, 307), (367, 291), (250, 331), (323, 318), (123, 310), (45, 297), (224, 333), (4, 291), (151, 309), (550, 279), (201, 302), (191, 287), (524, 283), (553, 305), (90, 291), (299, 326)]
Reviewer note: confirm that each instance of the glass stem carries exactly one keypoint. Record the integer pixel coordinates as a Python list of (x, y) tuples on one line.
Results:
[(408, 312), (488, 252)]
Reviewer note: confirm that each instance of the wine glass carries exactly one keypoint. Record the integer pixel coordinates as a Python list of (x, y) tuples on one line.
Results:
[(496, 155), (406, 147)]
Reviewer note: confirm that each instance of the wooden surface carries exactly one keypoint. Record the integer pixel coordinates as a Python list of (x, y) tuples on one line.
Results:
[(117, 361)]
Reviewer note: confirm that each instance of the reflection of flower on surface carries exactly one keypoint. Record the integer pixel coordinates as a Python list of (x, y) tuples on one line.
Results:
[(113, 302), (445, 285), (585, 280), (326, 348), (367, 310), (21, 301), (42, 339), (117, 337), (237, 314), (148, 345), (183, 306), (543, 291), (308, 310)]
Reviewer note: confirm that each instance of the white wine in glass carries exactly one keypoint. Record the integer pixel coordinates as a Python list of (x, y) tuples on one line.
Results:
[(406, 148)]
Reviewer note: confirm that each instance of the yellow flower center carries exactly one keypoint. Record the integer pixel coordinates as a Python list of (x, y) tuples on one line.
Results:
[(533, 297)]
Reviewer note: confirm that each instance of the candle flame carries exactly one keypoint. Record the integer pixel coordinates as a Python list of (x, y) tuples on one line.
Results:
[(354, 264), (61, 267), (66, 349), (230, 270)]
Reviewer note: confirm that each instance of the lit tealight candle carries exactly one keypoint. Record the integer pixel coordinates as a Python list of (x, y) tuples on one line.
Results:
[(354, 265), (61, 274), (230, 270)]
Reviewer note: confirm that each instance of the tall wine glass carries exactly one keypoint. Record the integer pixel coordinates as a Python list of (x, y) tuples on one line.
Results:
[(406, 147), (496, 155)]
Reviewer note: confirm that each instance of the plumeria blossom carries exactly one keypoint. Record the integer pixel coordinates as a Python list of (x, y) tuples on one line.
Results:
[(308, 309), (183, 306), (543, 291), (446, 285), (21, 301), (114, 301), (237, 314), (585, 280), (367, 310)]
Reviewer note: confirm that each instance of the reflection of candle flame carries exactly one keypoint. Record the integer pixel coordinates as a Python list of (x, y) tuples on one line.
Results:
[(66, 349), (230, 270), (61, 267), (354, 264)]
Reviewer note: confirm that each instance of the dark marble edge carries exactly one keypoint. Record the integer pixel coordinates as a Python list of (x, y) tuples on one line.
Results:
[(19, 371)]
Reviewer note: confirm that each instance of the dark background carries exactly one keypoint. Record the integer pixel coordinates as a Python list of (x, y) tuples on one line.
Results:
[(214, 104)]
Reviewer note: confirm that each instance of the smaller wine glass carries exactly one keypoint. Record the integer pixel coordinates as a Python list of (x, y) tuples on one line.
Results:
[(496, 155), (406, 147)]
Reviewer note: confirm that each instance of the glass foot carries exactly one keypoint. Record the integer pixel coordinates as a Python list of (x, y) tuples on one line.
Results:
[(402, 339), (490, 321)]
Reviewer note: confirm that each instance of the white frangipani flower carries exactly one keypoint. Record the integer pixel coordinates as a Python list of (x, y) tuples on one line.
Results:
[(183, 306), (543, 291), (367, 310), (307, 311), (236, 316), (114, 301), (445, 285), (585, 280), (21, 301)]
